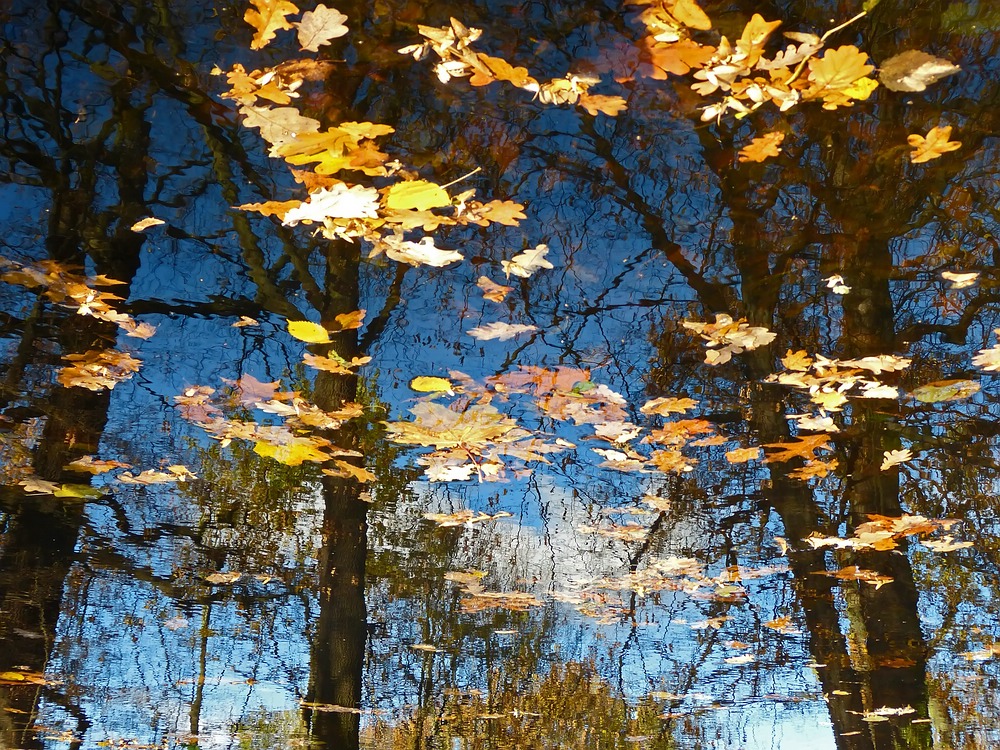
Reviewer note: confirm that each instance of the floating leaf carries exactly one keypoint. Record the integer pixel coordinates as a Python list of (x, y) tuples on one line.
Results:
[(742, 455), (422, 253), (320, 26), (762, 148), (526, 263), (933, 146), (311, 333), (665, 406), (146, 224), (914, 70), (418, 194), (960, 280), (221, 578), (292, 452), (493, 291), (499, 330), (430, 384), (945, 390), (268, 17)]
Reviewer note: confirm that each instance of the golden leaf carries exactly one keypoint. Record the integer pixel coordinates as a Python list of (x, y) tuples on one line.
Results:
[(271, 208), (689, 13), (596, 104), (418, 194), (813, 468), (664, 406), (933, 146), (267, 18), (500, 70), (311, 333), (945, 390), (430, 384), (755, 35), (507, 213), (146, 223), (350, 471), (839, 68), (292, 452), (441, 427), (762, 147), (798, 361), (678, 57)]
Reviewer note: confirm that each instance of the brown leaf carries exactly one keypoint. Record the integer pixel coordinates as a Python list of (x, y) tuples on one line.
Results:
[(914, 70), (804, 447), (596, 104)]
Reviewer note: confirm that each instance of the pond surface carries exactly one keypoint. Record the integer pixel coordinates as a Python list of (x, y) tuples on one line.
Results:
[(693, 491)]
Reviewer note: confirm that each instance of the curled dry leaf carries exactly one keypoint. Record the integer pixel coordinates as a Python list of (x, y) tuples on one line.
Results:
[(146, 224), (914, 70), (526, 263)]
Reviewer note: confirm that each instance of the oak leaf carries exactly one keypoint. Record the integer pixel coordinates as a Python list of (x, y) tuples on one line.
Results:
[(804, 447), (278, 125), (268, 17), (526, 263), (933, 146), (320, 26), (678, 57), (763, 147), (892, 458), (337, 202), (596, 104)]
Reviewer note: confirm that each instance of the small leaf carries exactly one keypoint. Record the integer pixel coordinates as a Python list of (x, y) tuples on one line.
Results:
[(146, 224), (933, 146), (311, 333), (914, 70), (498, 330), (892, 458), (430, 384), (526, 263), (493, 291)]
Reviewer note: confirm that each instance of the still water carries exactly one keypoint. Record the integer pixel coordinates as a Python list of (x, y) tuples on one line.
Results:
[(643, 526)]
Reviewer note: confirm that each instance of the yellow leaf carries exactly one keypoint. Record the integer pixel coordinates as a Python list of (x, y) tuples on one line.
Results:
[(689, 13), (676, 57), (320, 26), (418, 194), (754, 36), (311, 333), (945, 390), (762, 147), (861, 89), (268, 18), (350, 471), (292, 453), (146, 223), (271, 208), (429, 384), (77, 490), (742, 455), (839, 68), (933, 146), (602, 104)]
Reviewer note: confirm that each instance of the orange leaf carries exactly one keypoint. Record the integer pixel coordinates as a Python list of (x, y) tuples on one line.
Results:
[(677, 58), (762, 148), (804, 448), (268, 18), (754, 36), (933, 146)]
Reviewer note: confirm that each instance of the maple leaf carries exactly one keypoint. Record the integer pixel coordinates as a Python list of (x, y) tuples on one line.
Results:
[(292, 451), (933, 146), (499, 330), (493, 291), (763, 147), (268, 17), (472, 429), (526, 263), (320, 26), (804, 447), (799, 360)]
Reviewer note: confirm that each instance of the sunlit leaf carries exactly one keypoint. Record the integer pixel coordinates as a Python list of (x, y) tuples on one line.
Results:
[(422, 253), (664, 406), (463, 518), (293, 452), (268, 17), (418, 194), (78, 490), (836, 283), (839, 68), (960, 280), (336, 202), (805, 446), (222, 578), (319, 27), (430, 384), (526, 263), (93, 465), (742, 455), (348, 470), (311, 333), (596, 104), (946, 543), (933, 146), (278, 125)]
